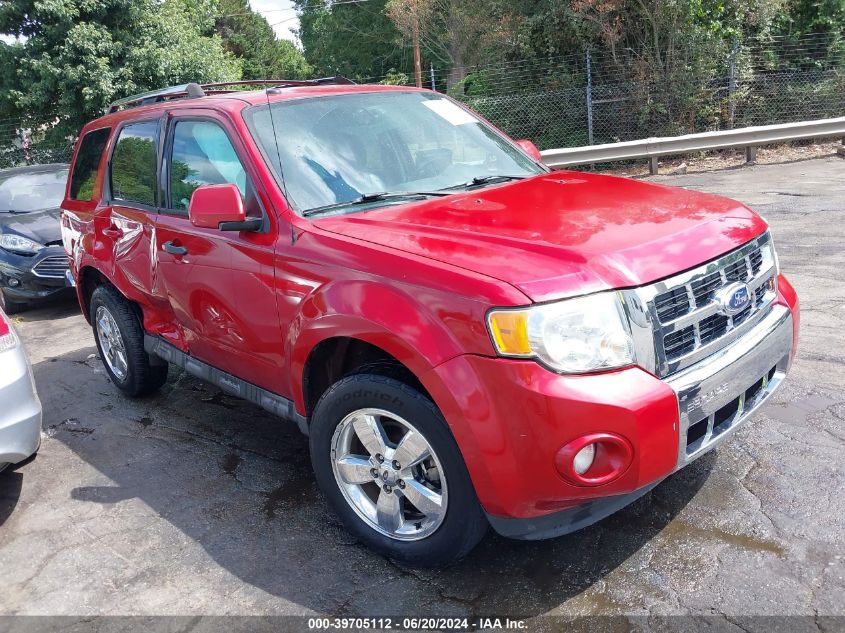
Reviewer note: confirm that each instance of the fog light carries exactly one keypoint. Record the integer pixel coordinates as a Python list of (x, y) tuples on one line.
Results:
[(14, 283), (594, 459), (584, 459)]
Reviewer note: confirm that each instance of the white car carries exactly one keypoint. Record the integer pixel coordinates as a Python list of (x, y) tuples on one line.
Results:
[(20, 408)]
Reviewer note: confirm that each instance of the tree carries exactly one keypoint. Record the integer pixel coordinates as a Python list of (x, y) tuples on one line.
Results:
[(249, 36), (812, 16), (80, 55), (456, 33), (356, 40)]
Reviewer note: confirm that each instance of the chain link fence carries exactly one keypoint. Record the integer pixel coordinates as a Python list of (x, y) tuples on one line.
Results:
[(594, 98), (589, 98)]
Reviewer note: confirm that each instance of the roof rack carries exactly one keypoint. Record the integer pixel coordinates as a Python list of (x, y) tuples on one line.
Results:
[(194, 91)]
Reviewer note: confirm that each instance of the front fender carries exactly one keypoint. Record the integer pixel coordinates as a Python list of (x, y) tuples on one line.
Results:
[(411, 328)]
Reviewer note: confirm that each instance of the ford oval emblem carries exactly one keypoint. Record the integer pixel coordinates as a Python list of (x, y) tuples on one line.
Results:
[(734, 298)]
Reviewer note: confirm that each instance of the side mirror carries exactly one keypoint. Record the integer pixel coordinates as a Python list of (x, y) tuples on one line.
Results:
[(220, 207), (529, 148)]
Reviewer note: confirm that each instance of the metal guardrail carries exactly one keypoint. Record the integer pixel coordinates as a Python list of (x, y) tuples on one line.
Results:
[(654, 148)]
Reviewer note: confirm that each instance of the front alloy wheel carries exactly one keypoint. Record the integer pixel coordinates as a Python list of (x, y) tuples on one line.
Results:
[(389, 474), (388, 464)]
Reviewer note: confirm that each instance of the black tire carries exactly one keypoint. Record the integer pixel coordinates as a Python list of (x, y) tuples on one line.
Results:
[(464, 524), (9, 306), (142, 377)]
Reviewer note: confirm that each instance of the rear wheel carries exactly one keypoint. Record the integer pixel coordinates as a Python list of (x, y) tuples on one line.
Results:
[(9, 306), (388, 464), (120, 341)]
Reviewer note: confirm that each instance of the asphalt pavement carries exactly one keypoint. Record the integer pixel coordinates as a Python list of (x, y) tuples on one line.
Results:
[(192, 502)]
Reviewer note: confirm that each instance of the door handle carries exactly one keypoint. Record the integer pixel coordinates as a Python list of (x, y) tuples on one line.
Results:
[(173, 249)]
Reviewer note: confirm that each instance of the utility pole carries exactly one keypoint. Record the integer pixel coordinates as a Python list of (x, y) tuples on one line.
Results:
[(589, 65), (416, 35), (732, 85)]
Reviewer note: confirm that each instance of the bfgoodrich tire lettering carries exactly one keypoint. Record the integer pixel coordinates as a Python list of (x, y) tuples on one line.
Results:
[(440, 518), (119, 327)]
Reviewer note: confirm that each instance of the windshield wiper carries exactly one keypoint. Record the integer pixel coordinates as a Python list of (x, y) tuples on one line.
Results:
[(13, 211), (373, 197), (483, 180)]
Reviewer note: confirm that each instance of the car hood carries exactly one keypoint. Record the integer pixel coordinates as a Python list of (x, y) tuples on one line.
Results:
[(562, 233), (41, 226)]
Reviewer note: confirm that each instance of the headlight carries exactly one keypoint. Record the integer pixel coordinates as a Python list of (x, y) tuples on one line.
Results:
[(18, 244), (572, 336), (771, 244), (774, 254)]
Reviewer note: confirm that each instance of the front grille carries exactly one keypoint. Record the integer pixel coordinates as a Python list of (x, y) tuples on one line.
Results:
[(671, 305), (680, 342), (712, 327), (688, 321), (53, 267), (756, 259), (738, 271), (708, 428), (704, 289)]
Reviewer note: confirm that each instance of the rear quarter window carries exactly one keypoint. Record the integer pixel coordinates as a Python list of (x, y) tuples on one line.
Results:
[(87, 161), (133, 163)]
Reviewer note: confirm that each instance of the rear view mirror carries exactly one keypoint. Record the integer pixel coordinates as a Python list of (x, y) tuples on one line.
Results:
[(529, 148), (220, 207)]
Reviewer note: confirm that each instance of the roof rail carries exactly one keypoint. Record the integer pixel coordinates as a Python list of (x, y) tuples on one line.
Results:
[(194, 91)]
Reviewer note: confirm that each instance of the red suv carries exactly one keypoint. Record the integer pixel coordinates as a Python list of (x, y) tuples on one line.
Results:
[(468, 338)]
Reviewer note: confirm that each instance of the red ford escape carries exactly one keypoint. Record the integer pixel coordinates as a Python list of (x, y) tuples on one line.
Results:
[(467, 338)]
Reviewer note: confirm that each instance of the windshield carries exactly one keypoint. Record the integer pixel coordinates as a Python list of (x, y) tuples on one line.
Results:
[(30, 192), (333, 150)]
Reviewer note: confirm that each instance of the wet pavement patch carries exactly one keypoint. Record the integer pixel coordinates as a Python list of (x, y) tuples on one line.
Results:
[(220, 399), (231, 463), (683, 532), (293, 494), (800, 408)]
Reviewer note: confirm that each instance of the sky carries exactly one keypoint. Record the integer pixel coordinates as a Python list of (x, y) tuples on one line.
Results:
[(279, 13)]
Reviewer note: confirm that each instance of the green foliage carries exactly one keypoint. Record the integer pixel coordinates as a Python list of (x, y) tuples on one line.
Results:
[(665, 60), (395, 78), (474, 84), (812, 16), (248, 36), (354, 40), (79, 55)]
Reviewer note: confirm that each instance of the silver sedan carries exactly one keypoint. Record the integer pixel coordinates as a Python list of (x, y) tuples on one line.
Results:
[(20, 408)]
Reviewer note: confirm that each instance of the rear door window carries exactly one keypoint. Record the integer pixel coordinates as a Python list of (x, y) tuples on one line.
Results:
[(133, 164), (87, 162)]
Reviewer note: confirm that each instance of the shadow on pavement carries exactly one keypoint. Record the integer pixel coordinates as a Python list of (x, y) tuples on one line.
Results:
[(11, 483), (238, 482), (53, 309)]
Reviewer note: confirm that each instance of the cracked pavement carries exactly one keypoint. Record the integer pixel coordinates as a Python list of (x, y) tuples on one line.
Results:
[(192, 502)]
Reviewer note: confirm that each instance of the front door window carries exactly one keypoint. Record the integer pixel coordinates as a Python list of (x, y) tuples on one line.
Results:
[(202, 155)]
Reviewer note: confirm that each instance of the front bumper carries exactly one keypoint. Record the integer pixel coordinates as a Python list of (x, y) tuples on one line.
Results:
[(510, 418), (718, 394), (20, 415), (33, 278)]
